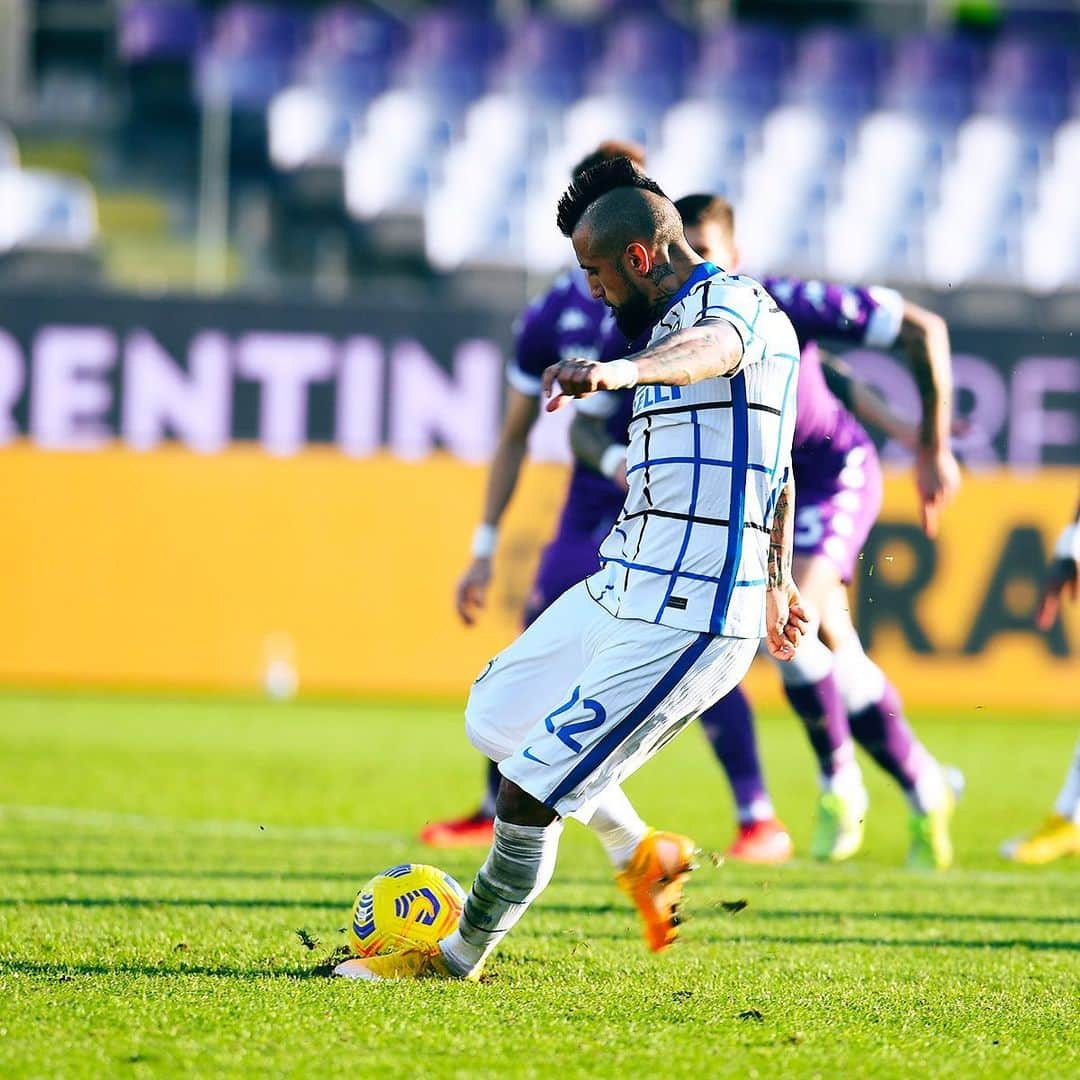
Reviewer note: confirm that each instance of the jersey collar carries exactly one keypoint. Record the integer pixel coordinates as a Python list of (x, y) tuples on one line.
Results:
[(700, 273)]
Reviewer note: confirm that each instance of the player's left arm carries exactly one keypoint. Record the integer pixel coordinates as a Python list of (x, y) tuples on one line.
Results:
[(870, 406), (710, 349), (785, 618), (593, 445), (924, 342)]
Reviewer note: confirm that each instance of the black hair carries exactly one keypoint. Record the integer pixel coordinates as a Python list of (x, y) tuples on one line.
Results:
[(600, 180), (696, 209)]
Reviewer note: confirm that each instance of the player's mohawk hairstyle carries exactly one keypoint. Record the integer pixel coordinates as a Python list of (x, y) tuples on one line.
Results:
[(585, 189)]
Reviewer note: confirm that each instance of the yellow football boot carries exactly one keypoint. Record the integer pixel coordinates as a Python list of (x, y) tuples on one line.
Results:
[(406, 964), (1054, 839), (654, 880)]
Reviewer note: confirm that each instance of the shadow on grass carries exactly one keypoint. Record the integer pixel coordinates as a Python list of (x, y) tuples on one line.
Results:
[(751, 938), (192, 873), (717, 912), (170, 901), (899, 916), (59, 972)]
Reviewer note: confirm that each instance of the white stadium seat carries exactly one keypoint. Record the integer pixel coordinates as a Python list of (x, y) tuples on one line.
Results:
[(48, 211), (388, 166), (893, 162)]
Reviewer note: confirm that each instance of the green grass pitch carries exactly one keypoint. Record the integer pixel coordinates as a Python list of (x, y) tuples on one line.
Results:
[(157, 859)]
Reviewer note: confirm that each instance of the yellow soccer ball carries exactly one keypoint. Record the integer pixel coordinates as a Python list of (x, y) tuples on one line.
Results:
[(412, 905)]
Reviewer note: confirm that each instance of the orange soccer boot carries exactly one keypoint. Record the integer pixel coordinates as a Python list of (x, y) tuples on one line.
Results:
[(654, 880)]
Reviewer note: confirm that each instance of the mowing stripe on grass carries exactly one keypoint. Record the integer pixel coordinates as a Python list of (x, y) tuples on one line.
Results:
[(73, 817)]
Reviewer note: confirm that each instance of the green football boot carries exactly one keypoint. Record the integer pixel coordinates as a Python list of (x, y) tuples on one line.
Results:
[(931, 845), (838, 831)]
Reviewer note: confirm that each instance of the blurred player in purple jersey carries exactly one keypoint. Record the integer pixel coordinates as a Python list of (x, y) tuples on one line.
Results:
[(836, 689), (1059, 834), (567, 322)]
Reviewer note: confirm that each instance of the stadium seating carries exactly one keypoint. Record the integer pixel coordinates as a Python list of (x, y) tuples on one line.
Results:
[(46, 211), (925, 156)]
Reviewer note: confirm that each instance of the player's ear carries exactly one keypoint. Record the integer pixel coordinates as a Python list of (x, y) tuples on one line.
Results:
[(637, 255)]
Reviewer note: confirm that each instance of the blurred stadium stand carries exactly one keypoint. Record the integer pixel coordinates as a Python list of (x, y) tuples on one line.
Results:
[(438, 136)]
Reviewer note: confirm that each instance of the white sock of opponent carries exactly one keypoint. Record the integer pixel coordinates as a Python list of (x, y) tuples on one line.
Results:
[(517, 869), (618, 825), (1068, 802)]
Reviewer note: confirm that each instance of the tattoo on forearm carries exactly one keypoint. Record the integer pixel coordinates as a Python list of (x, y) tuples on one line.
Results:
[(779, 565), (686, 357)]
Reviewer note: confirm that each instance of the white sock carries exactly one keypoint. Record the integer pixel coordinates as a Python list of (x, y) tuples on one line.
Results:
[(812, 661), (847, 782), (930, 790), (860, 681), (517, 869), (1068, 802), (618, 825), (761, 809)]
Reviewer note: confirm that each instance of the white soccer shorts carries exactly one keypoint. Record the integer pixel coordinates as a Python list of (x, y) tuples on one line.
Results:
[(582, 699)]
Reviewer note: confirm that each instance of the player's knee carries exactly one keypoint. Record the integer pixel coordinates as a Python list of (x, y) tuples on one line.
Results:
[(481, 725), (520, 808), (812, 662)]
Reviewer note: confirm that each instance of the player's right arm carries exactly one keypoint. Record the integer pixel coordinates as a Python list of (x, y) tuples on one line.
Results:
[(705, 351), (521, 412), (1061, 574)]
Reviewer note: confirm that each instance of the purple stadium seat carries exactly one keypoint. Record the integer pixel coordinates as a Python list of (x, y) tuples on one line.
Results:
[(350, 53), (546, 59), (450, 54), (837, 70), (152, 30), (250, 55), (742, 64), (645, 57), (934, 76), (1030, 80)]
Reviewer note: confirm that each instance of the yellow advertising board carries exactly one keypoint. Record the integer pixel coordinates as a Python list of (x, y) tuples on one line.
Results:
[(180, 571)]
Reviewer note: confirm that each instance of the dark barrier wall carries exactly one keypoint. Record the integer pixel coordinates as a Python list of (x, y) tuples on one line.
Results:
[(421, 373)]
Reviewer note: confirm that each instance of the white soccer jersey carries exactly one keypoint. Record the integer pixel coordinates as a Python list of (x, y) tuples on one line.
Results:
[(705, 465)]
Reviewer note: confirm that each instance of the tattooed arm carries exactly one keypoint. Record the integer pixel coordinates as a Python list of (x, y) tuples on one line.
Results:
[(785, 619), (687, 356), (924, 340)]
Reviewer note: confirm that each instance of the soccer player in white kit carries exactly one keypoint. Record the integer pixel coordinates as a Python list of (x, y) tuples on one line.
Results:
[(696, 570)]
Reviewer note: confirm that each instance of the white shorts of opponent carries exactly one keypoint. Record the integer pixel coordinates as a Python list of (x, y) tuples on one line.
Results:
[(582, 699)]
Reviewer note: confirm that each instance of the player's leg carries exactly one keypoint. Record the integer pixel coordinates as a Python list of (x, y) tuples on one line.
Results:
[(1059, 835), (643, 685), (811, 686), (569, 558), (876, 715), (729, 726)]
